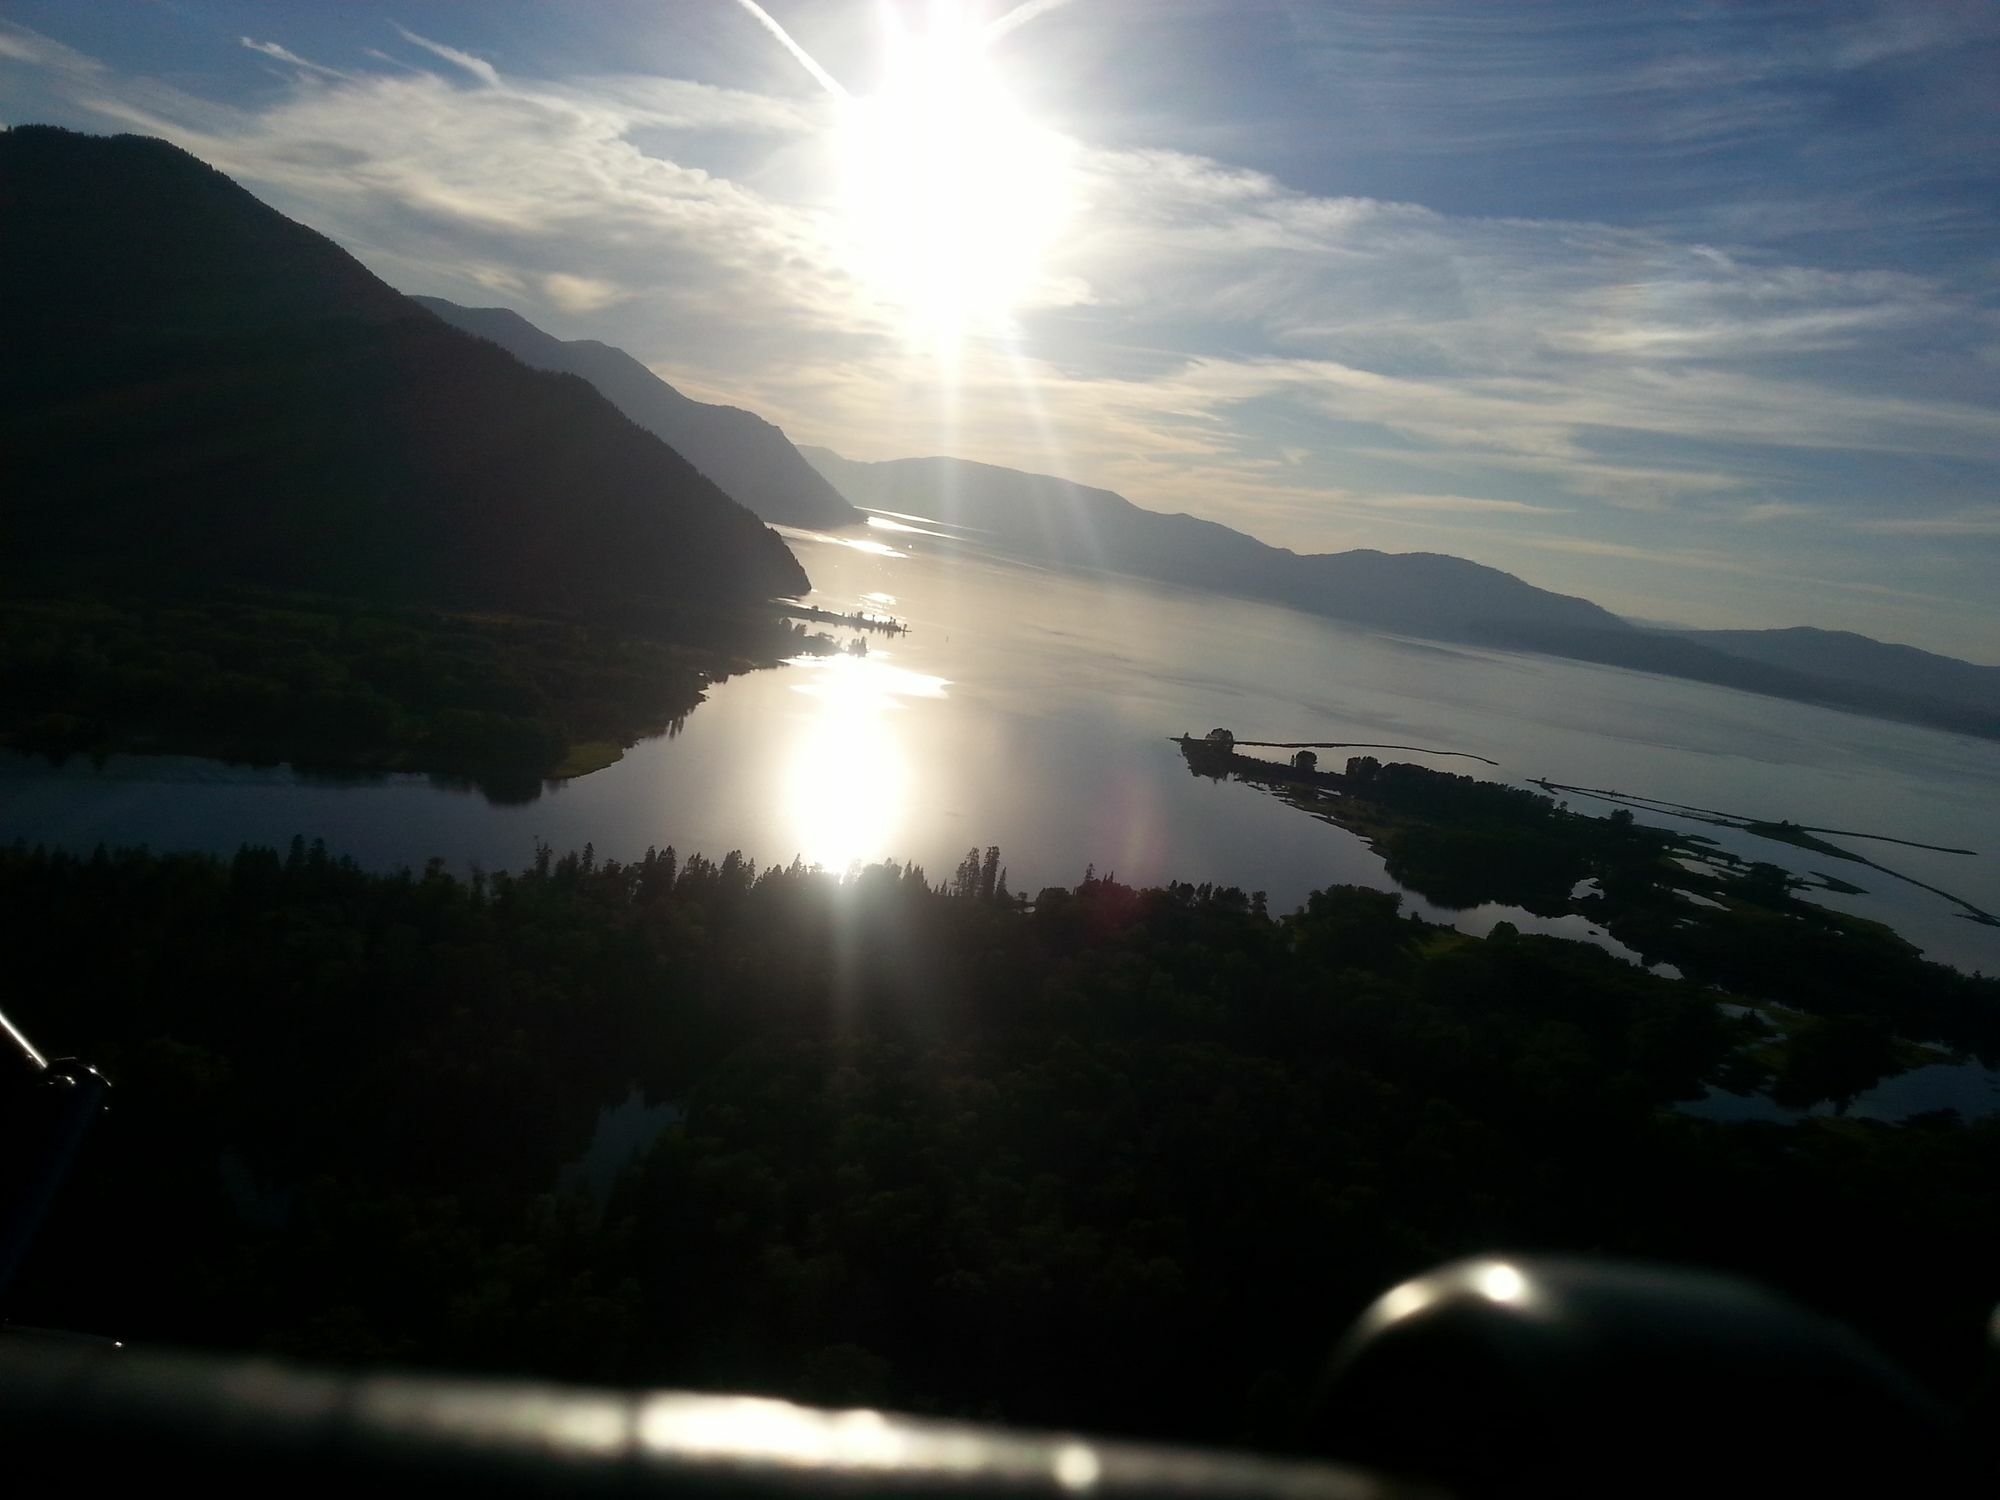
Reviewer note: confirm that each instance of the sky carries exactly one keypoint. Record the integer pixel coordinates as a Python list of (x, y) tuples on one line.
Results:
[(1692, 309)]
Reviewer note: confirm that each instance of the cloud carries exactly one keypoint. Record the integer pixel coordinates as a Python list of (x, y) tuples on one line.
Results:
[(1684, 560), (1681, 557), (478, 67), (1456, 505), (1981, 522), (283, 55), (1328, 370), (447, 188), (19, 44), (1517, 344), (1768, 511), (580, 293), (1020, 16), (1487, 77)]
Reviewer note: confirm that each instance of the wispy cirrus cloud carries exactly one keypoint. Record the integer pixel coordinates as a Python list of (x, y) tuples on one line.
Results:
[(292, 59), (446, 184), (1765, 512), (478, 67), (1455, 505), (1981, 522)]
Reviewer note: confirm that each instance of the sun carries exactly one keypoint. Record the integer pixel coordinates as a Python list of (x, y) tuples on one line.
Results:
[(952, 195)]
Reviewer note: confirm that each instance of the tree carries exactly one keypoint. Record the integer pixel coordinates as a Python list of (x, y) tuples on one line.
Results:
[(1834, 1057), (965, 880)]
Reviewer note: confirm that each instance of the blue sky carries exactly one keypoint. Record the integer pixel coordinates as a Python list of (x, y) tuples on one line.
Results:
[(1690, 308)]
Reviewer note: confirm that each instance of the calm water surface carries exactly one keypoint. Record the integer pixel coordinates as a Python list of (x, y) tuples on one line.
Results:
[(1031, 709)]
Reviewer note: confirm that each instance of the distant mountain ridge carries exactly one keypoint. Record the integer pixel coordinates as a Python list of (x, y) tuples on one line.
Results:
[(1861, 659), (1424, 594), (1058, 520), (195, 389), (750, 458)]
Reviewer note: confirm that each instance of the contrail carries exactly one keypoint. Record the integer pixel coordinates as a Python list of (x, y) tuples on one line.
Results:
[(805, 59), (1021, 15)]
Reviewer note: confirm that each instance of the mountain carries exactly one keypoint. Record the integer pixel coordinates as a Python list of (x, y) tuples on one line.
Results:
[(749, 457), (1057, 520), (1863, 660), (1426, 594), (195, 389)]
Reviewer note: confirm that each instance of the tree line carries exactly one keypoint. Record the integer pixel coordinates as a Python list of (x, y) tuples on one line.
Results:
[(1122, 1159)]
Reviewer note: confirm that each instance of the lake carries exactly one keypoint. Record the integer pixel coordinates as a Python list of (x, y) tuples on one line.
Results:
[(1031, 709)]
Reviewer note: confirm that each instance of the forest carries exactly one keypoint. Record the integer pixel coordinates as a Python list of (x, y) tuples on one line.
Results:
[(1126, 1160), (1740, 925), (346, 686)]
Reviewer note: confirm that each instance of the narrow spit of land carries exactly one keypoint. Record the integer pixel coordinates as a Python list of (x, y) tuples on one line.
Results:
[(1360, 745), (1717, 917), (853, 619), (1739, 820), (1798, 835)]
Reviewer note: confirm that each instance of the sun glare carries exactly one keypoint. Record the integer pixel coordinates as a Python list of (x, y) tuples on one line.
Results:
[(848, 777), (953, 196)]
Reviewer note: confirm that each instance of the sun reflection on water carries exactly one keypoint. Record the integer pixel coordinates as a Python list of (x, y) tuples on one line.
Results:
[(848, 774), (862, 544)]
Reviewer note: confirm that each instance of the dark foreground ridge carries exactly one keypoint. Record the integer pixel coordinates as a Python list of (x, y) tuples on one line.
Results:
[(1119, 1160), (196, 391), (749, 457)]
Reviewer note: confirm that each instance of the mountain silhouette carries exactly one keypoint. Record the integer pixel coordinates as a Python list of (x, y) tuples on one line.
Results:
[(1056, 520), (1427, 594), (1862, 659), (749, 457), (195, 389)]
